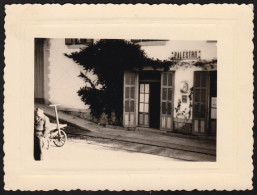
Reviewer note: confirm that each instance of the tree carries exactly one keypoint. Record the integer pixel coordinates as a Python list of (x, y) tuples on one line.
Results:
[(108, 59)]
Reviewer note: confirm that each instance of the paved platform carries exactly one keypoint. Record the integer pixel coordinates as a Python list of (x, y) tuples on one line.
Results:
[(179, 147)]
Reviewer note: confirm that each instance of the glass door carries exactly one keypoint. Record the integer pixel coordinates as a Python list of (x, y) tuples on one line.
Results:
[(167, 88), (144, 91)]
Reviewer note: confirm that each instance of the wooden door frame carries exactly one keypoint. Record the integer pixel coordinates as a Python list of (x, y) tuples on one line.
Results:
[(207, 111), (39, 84), (209, 114), (138, 103), (172, 101), (135, 99)]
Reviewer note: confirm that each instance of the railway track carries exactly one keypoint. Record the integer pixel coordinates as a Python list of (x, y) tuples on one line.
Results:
[(173, 151)]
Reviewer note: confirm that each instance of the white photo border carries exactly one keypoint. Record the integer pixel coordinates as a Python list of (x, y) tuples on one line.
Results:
[(232, 27)]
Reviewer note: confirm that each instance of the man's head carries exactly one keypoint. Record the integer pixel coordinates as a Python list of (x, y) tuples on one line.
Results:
[(39, 112)]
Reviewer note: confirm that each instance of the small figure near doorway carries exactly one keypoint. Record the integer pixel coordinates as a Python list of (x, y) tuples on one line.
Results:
[(41, 134)]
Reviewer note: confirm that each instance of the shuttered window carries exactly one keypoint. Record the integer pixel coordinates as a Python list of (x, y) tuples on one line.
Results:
[(129, 99), (167, 89), (200, 102), (79, 41), (68, 41)]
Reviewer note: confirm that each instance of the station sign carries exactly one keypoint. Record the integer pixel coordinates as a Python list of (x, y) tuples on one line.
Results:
[(186, 55)]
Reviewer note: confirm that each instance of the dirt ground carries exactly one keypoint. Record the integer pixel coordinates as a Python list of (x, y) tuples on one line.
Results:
[(81, 148)]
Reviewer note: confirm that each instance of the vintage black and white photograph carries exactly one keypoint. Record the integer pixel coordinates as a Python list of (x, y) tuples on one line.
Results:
[(132, 98), (138, 97)]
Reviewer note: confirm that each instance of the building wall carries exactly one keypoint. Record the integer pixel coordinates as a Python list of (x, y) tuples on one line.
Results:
[(61, 81), (182, 123), (163, 52), (180, 76)]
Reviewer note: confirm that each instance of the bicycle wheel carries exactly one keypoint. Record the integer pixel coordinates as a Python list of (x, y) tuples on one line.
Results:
[(60, 140)]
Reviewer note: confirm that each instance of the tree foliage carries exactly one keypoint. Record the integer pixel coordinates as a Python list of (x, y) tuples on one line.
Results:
[(108, 59)]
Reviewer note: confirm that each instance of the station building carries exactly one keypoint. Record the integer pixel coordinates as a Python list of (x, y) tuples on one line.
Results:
[(180, 99)]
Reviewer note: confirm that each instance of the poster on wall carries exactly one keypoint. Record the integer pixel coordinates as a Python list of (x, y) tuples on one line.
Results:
[(184, 98), (214, 108), (214, 102), (184, 87)]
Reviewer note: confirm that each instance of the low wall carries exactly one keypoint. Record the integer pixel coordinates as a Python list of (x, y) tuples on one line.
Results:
[(183, 126), (103, 120), (83, 115)]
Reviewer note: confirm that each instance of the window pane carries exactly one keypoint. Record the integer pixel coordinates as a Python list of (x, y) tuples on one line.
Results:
[(126, 106), (202, 126), (90, 41), (146, 119), (203, 84), (163, 119), (132, 105), (202, 111), (169, 108), (127, 92), (78, 41), (68, 41), (196, 125), (168, 122), (126, 118), (146, 88), (164, 79), (196, 110), (132, 92), (197, 95), (141, 121), (146, 109), (127, 78), (141, 97), (197, 79), (142, 88), (203, 95), (163, 107), (164, 93), (146, 98), (170, 79), (131, 118), (84, 41), (169, 94), (133, 79), (141, 107)]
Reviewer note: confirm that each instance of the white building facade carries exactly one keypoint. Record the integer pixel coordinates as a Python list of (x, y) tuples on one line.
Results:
[(181, 99)]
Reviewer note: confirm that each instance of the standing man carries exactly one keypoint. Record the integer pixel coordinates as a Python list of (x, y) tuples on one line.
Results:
[(41, 132)]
